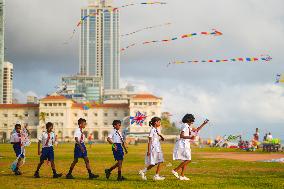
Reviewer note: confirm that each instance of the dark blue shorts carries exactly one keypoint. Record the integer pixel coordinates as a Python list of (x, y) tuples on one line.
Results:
[(78, 153), (118, 154), (17, 150), (47, 153)]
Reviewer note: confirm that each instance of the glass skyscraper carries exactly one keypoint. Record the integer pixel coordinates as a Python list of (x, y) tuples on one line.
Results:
[(99, 43), (1, 48)]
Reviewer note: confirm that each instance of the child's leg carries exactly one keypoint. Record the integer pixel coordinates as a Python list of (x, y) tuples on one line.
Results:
[(19, 163), (158, 169), (72, 166), (39, 165), (119, 168), (184, 167), (180, 166), (114, 166)]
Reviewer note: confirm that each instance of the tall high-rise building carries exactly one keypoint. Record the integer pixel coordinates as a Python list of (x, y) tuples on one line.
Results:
[(1, 48), (7, 83), (99, 43)]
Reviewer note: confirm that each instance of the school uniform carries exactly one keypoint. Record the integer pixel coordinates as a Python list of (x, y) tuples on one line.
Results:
[(16, 139), (47, 141), (77, 150), (117, 139), (156, 154), (182, 150)]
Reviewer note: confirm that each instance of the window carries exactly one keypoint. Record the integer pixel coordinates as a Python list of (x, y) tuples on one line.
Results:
[(26, 114), (140, 103), (153, 113), (51, 114), (155, 103), (47, 114), (54, 104), (95, 123), (16, 115), (45, 104), (150, 103), (49, 104), (36, 114), (145, 103), (135, 103), (115, 114), (75, 114), (105, 123), (56, 114), (64, 104), (125, 114), (85, 114), (61, 114), (5, 125), (59, 104), (5, 115), (105, 114), (95, 114)]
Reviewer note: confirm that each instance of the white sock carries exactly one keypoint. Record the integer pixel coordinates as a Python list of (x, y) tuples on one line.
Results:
[(145, 170), (157, 175)]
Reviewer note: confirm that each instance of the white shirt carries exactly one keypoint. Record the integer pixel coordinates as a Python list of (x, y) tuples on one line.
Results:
[(15, 137), (269, 137), (155, 139), (80, 135), (45, 141), (186, 129), (115, 136)]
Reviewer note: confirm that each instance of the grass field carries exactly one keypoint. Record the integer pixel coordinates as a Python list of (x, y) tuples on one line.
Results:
[(204, 173)]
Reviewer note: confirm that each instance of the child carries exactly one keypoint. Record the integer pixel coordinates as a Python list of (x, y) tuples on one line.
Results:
[(182, 149), (117, 142), (154, 154), (47, 153), (80, 150), (16, 141)]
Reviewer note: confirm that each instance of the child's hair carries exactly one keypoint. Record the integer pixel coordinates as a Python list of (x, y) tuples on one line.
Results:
[(115, 122), (17, 125), (153, 121), (81, 120), (188, 118), (48, 125)]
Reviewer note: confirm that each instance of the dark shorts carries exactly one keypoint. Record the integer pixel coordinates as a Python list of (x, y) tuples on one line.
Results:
[(118, 154), (17, 150), (47, 153), (78, 153)]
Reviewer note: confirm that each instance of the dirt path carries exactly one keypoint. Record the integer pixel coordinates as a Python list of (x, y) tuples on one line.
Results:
[(240, 156)]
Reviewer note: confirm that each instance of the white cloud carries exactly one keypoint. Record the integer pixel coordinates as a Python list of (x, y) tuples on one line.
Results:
[(22, 96)]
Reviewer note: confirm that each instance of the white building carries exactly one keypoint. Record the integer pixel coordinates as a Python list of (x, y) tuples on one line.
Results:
[(7, 83), (64, 114), (2, 30), (99, 43)]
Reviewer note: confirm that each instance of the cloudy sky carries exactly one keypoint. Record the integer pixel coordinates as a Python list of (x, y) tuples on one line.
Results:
[(236, 98)]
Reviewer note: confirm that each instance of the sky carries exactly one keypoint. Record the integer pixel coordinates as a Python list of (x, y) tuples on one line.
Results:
[(235, 97)]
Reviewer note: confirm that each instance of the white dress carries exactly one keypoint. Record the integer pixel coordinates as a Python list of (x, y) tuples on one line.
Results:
[(156, 155), (182, 150)]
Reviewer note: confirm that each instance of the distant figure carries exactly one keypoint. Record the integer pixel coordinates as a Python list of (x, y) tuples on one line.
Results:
[(265, 137), (255, 140), (269, 137), (90, 140), (56, 140)]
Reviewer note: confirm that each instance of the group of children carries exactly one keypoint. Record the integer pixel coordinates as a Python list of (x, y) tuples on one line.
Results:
[(154, 155)]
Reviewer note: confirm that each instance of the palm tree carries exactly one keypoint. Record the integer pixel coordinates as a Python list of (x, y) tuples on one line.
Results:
[(42, 117)]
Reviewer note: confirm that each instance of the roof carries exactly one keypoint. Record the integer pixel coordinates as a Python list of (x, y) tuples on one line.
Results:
[(77, 105), (59, 97), (14, 106), (145, 96)]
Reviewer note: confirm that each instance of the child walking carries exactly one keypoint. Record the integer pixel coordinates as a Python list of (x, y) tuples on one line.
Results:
[(16, 141), (47, 140), (115, 138), (154, 154), (182, 149), (80, 150)]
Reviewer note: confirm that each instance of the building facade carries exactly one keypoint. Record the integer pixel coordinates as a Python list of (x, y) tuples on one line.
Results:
[(2, 29), (64, 114), (99, 43), (7, 83), (82, 88)]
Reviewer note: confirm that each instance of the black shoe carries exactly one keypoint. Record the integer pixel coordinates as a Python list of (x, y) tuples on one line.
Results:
[(121, 178), (69, 176), (17, 172), (57, 175), (108, 173), (91, 176), (36, 175)]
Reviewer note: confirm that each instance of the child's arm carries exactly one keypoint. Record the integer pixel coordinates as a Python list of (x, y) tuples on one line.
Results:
[(162, 138), (202, 125), (77, 141), (125, 149), (38, 147), (111, 142), (186, 137)]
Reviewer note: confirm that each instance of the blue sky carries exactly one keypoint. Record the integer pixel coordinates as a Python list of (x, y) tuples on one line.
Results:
[(235, 97)]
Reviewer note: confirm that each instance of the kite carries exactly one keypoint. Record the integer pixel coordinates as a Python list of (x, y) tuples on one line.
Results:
[(146, 28), (139, 118), (90, 105), (145, 3), (265, 58), (25, 141), (279, 78), (184, 36)]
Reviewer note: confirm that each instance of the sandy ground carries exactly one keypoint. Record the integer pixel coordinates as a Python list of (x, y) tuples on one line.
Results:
[(241, 156)]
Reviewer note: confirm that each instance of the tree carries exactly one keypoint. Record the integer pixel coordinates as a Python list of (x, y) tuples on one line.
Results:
[(42, 117), (168, 128)]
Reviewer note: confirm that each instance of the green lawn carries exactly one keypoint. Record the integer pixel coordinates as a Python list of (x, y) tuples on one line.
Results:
[(204, 173)]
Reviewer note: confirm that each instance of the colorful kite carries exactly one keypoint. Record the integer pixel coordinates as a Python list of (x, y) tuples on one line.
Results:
[(279, 78), (184, 36), (90, 105), (25, 141), (265, 58), (139, 118), (145, 3), (146, 28)]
